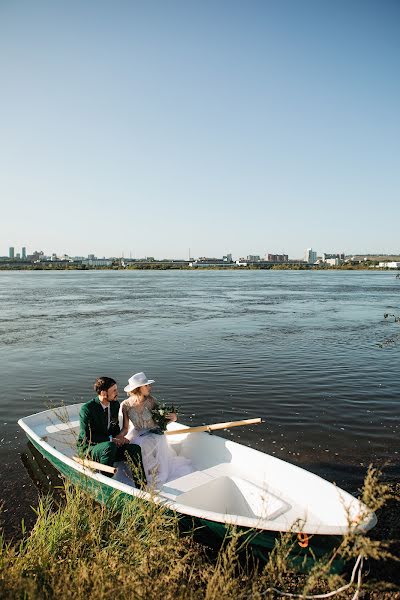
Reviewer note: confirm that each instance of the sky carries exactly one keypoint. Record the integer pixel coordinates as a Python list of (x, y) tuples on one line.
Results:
[(161, 127)]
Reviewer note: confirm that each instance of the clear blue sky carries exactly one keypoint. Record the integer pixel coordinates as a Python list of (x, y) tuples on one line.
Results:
[(220, 126)]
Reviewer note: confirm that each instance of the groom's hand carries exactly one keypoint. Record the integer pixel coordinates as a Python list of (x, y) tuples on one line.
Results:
[(120, 441)]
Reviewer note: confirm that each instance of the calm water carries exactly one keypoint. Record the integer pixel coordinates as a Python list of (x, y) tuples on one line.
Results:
[(300, 349)]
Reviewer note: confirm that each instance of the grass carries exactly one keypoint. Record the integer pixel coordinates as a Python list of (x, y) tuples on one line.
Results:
[(80, 549)]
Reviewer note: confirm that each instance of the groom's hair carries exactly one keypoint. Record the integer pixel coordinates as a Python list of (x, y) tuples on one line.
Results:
[(102, 384)]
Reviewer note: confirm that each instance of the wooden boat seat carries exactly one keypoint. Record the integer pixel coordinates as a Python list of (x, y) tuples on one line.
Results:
[(62, 427)]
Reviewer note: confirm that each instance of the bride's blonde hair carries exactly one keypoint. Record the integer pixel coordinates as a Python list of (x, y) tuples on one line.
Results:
[(137, 395)]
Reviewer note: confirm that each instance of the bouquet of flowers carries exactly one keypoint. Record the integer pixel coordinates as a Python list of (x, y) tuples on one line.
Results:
[(160, 412)]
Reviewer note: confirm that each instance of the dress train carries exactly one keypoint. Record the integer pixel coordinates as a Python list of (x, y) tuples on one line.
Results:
[(160, 461)]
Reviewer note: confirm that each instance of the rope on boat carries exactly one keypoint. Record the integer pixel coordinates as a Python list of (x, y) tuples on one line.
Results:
[(357, 570)]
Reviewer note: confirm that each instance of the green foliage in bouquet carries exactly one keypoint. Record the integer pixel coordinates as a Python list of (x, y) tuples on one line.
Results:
[(160, 412)]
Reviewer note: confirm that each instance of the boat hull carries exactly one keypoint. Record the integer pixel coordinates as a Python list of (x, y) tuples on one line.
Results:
[(97, 489)]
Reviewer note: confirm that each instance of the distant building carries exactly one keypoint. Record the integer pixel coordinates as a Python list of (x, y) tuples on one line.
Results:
[(91, 257), (23, 253), (333, 260), (36, 256), (253, 258), (204, 261), (339, 257), (374, 257), (97, 262), (310, 256), (11, 253), (389, 265), (227, 258), (278, 258), (209, 261)]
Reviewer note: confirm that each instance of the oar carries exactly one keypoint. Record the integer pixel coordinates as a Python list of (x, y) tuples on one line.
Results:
[(214, 426), (94, 465)]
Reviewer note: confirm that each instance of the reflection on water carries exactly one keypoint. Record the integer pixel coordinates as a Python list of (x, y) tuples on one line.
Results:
[(299, 349)]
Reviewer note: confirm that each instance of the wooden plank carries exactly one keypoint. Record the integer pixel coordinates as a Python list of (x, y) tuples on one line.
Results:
[(91, 464), (213, 426)]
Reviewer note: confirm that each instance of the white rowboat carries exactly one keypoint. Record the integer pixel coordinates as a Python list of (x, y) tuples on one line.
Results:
[(231, 484)]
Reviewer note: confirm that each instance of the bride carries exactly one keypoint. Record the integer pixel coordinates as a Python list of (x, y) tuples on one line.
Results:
[(159, 460)]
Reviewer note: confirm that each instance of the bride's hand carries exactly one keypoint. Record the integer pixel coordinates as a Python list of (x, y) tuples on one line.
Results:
[(172, 416)]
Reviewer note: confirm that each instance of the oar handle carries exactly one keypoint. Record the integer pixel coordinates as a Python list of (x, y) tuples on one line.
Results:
[(213, 426), (91, 464)]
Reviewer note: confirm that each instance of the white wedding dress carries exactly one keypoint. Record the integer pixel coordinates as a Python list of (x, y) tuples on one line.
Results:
[(160, 461)]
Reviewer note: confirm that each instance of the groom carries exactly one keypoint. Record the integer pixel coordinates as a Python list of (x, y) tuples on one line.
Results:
[(99, 428)]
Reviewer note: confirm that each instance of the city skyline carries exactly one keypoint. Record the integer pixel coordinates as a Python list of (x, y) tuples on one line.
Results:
[(309, 255), (154, 128)]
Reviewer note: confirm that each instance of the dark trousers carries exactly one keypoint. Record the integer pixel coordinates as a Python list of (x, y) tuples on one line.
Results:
[(107, 453)]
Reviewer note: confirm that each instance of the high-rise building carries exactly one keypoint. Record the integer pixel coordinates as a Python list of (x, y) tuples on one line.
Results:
[(11, 253), (310, 256), (23, 253)]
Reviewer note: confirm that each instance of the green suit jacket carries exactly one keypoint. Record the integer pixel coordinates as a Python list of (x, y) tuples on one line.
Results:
[(93, 427)]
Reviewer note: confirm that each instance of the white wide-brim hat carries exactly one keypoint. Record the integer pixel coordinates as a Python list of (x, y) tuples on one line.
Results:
[(136, 381)]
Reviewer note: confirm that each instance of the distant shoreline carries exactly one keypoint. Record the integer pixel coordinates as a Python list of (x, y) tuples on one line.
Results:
[(171, 267)]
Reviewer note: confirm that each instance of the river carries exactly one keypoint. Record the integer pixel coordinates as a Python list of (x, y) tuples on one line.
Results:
[(308, 351)]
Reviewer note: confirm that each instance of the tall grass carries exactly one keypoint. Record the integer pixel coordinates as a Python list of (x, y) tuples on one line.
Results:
[(83, 550)]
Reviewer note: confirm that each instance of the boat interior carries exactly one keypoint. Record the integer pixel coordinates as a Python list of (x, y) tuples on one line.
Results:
[(215, 485)]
